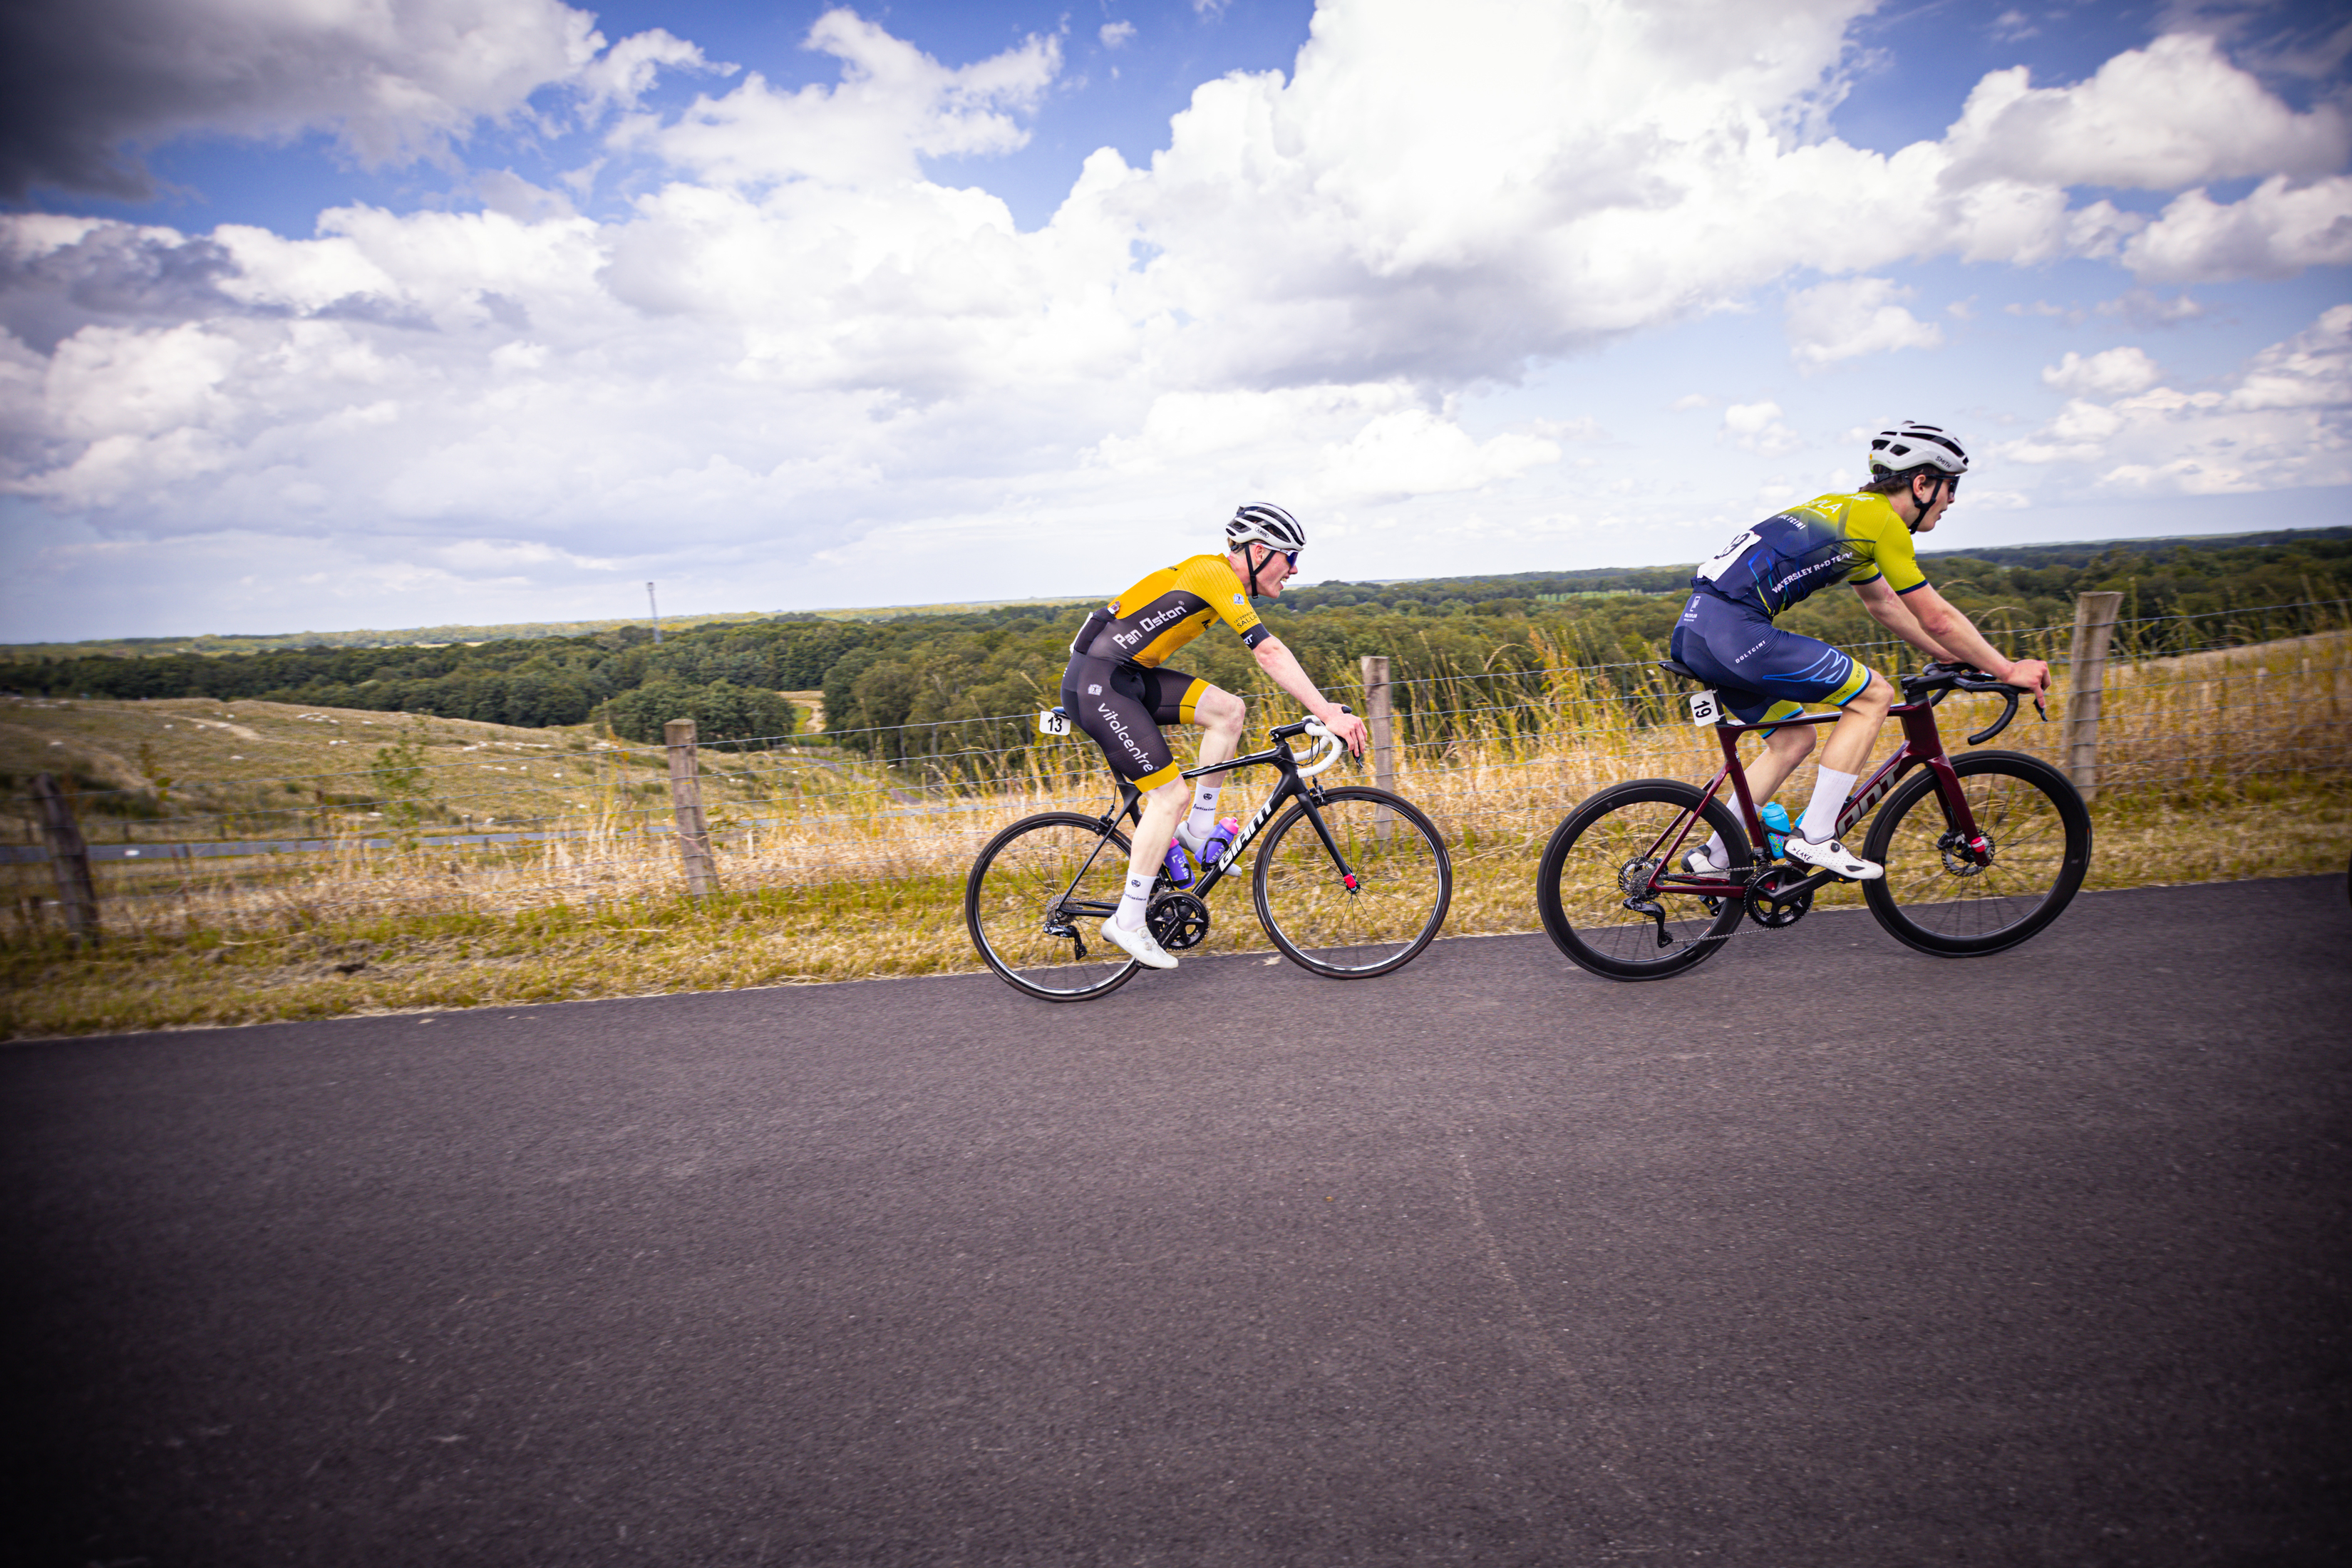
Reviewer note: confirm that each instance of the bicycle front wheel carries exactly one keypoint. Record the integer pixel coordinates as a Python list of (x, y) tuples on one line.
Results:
[(1595, 888), (1035, 902), (1938, 897), (1403, 883)]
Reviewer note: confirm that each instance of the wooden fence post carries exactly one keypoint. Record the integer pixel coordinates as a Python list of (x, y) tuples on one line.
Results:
[(685, 799), (69, 858), (1378, 720), (2086, 679)]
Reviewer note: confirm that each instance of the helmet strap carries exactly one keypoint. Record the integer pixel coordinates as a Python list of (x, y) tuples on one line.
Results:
[(1256, 565), (1935, 486)]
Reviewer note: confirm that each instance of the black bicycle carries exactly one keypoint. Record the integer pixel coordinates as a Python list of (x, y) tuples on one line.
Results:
[(1352, 881)]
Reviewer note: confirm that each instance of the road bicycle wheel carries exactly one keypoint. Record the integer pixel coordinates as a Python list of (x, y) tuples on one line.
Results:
[(1935, 897), (1404, 881), (1035, 902), (1591, 887)]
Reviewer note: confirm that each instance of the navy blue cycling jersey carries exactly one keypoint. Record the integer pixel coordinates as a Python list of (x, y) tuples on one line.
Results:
[(1833, 538)]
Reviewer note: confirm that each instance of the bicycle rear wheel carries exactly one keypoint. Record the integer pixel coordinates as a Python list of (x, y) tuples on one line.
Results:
[(1937, 898), (1035, 902), (1404, 880), (1598, 865)]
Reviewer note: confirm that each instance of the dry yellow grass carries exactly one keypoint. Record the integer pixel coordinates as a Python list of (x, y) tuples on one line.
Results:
[(2224, 765)]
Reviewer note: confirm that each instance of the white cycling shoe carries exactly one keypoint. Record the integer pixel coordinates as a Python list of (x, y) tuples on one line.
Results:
[(1830, 855), (1138, 944)]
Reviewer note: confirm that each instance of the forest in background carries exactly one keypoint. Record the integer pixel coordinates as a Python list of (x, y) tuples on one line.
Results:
[(1484, 635)]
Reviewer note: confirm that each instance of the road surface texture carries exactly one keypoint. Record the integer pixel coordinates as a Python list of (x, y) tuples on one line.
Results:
[(1827, 1253)]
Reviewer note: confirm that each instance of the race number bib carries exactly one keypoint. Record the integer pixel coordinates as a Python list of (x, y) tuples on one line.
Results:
[(1052, 721), (1705, 710), (1714, 568)]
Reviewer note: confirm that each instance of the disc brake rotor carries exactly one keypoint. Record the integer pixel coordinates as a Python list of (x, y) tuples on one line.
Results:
[(1965, 856)]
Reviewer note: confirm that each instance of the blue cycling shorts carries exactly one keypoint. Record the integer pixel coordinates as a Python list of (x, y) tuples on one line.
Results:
[(1761, 674)]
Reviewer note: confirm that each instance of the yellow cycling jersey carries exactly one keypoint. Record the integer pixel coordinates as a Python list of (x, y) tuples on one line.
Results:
[(1169, 609), (1786, 557)]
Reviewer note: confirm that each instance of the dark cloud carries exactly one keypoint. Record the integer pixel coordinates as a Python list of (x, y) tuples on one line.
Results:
[(73, 91), (86, 87), (115, 273)]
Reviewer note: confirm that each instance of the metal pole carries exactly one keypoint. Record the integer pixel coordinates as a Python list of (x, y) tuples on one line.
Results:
[(657, 610), (686, 800), (1376, 718), (69, 858), (2086, 676)]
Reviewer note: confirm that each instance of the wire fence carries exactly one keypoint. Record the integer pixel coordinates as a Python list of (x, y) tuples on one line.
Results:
[(2231, 703)]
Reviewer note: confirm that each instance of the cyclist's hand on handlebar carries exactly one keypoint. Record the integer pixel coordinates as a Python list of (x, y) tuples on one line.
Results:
[(2030, 673), (1348, 727)]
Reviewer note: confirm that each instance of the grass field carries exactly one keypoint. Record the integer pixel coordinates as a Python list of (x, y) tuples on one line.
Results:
[(2221, 765)]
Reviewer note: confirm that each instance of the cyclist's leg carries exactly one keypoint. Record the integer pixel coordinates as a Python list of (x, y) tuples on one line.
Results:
[(1764, 673), (1116, 705), (1181, 699)]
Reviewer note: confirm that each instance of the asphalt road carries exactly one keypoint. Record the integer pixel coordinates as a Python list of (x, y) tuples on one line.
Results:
[(1828, 1253)]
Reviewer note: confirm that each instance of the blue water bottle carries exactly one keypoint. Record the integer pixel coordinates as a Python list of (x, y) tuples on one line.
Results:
[(1776, 828)]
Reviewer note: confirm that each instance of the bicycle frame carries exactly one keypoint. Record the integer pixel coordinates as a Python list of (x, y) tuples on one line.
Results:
[(1923, 744), (1291, 786)]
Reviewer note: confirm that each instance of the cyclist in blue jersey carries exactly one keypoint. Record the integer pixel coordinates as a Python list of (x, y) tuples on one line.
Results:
[(1763, 673)]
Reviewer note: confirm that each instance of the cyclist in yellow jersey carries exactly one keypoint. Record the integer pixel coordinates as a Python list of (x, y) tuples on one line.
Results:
[(1763, 673), (1119, 690)]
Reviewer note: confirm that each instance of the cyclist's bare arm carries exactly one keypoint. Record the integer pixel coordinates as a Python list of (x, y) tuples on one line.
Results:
[(1282, 665), (1893, 611), (1928, 622)]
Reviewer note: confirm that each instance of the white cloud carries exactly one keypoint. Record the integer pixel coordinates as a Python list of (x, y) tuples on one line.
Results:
[(894, 106), (2174, 114), (796, 339), (1759, 427), (1414, 452), (1854, 316), (2283, 421), (2113, 373), (1116, 33), (2276, 231)]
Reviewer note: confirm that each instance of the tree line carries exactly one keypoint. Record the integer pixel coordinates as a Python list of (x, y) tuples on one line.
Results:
[(1451, 641)]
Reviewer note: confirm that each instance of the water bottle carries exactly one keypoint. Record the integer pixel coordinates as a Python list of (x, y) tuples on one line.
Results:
[(1777, 828)]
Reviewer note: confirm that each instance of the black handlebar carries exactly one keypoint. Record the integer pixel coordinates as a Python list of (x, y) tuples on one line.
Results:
[(1938, 680)]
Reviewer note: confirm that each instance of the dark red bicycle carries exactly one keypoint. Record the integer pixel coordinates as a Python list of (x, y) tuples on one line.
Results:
[(1981, 851)]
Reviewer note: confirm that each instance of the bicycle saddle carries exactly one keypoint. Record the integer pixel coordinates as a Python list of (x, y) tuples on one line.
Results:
[(1672, 666)]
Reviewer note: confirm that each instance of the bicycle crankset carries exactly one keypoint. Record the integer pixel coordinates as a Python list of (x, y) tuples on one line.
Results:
[(1777, 897), (1178, 921)]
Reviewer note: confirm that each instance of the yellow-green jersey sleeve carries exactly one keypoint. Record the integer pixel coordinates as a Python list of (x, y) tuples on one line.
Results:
[(1892, 553)]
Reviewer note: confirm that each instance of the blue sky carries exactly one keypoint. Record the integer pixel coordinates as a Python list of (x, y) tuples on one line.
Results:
[(335, 315)]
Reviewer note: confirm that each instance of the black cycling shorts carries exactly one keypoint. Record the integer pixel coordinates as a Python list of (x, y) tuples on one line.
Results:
[(1123, 705)]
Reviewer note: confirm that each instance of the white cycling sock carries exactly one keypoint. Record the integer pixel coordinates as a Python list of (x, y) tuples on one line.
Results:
[(1204, 816), (1820, 821), (1131, 902), (1716, 852)]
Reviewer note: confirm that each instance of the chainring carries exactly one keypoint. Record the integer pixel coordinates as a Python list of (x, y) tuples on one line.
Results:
[(1765, 890), (1177, 921)]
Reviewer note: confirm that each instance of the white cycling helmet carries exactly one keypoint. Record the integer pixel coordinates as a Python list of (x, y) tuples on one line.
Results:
[(1912, 445), (1263, 522)]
